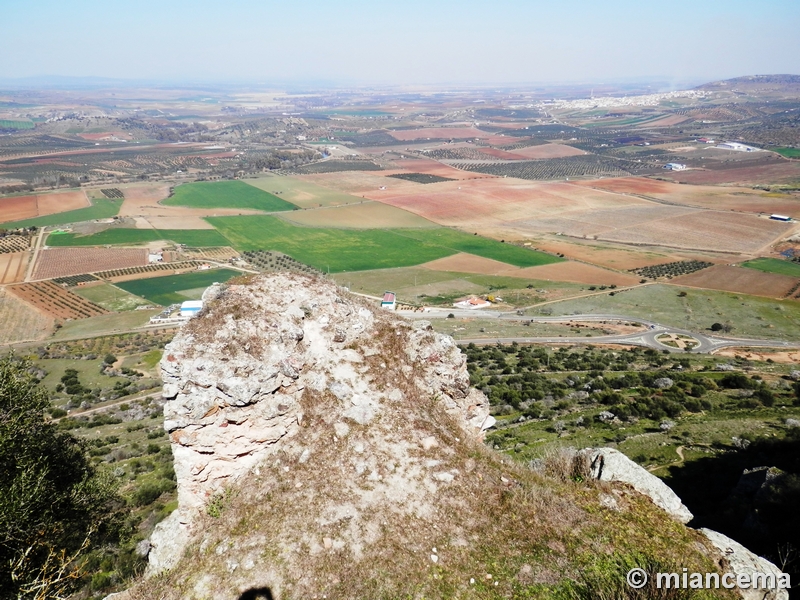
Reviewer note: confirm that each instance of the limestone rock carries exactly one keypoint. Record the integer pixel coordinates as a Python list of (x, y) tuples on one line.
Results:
[(236, 379), (608, 464), (741, 560)]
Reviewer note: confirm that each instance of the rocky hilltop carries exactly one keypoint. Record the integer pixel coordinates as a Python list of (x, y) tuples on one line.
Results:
[(327, 449)]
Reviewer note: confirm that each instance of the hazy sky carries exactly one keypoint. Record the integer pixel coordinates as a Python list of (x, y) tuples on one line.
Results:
[(406, 41)]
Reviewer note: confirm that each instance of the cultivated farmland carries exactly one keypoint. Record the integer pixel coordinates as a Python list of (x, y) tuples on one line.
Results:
[(18, 208), (356, 250), (134, 272), (56, 301), (167, 290), (20, 321), (14, 243), (125, 236), (745, 281), (589, 165), (226, 194), (100, 209), (61, 262), (12, 266), (774, 265)]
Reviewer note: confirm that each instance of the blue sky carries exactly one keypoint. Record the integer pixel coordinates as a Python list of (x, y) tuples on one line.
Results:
[(405, 42)]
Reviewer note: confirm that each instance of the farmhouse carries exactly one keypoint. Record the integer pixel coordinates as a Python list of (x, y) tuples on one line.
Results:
[(783, 218), (191, 308), (675, 167), (389, 301), (472, 303)]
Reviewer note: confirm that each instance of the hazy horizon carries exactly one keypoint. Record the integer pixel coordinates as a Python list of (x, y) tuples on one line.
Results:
[(355, 42)]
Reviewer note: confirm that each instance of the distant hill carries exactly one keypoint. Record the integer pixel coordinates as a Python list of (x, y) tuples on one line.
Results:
[(786, 84)]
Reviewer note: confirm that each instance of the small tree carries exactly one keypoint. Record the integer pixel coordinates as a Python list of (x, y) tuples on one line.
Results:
[(110, 359), (53, 504)]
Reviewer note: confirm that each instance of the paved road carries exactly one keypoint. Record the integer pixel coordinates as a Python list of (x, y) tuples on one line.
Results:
[(706, 343)]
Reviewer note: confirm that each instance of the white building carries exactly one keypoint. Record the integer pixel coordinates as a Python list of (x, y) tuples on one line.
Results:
[(675, 167), (736, 146), (191, 308)]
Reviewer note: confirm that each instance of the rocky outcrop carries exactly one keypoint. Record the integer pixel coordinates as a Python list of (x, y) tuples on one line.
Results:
[(608, 464), (739, 560), (240, 378)]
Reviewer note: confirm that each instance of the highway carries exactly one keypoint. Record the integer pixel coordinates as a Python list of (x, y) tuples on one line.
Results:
[(706, 344)]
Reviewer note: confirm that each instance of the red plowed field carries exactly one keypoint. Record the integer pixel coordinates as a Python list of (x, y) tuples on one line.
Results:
[(62, 262), (56, 301), (28, 207)]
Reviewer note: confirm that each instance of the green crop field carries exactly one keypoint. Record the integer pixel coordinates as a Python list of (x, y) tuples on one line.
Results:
[(788, 152), (335, 250), (8, 124), (167, 290), (100, 209), (338, 250), (774, 265), (481, 246), (226, 194), (117, 236)]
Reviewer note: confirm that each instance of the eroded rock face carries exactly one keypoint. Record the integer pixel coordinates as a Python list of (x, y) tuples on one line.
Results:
[(237, 380)]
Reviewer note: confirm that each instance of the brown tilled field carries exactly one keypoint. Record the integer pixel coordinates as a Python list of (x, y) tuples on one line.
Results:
[(772, 174), (18, 208), (56, 301), (482, 202), (468, 263), (705, 196), (570, 271), (576, 272), (20, 321), (463, 133), (61, 262), (740, 280), (355, 182), (704, 230), (12, 266), (547, 151), (432, 167)]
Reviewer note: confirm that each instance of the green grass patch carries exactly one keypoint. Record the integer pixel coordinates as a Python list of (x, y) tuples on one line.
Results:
[(788, 152), (774, 265), (100, 209), (226, 194), (124, 236), (166, 290)]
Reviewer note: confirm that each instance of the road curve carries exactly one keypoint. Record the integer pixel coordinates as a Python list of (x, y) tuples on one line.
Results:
[(707, 344)]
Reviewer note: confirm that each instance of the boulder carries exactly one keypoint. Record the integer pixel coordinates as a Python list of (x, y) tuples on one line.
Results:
[(608, 464)]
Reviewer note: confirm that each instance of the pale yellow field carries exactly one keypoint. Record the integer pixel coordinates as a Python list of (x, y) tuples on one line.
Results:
[(302, 192), (19, 321), (364, 215)]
